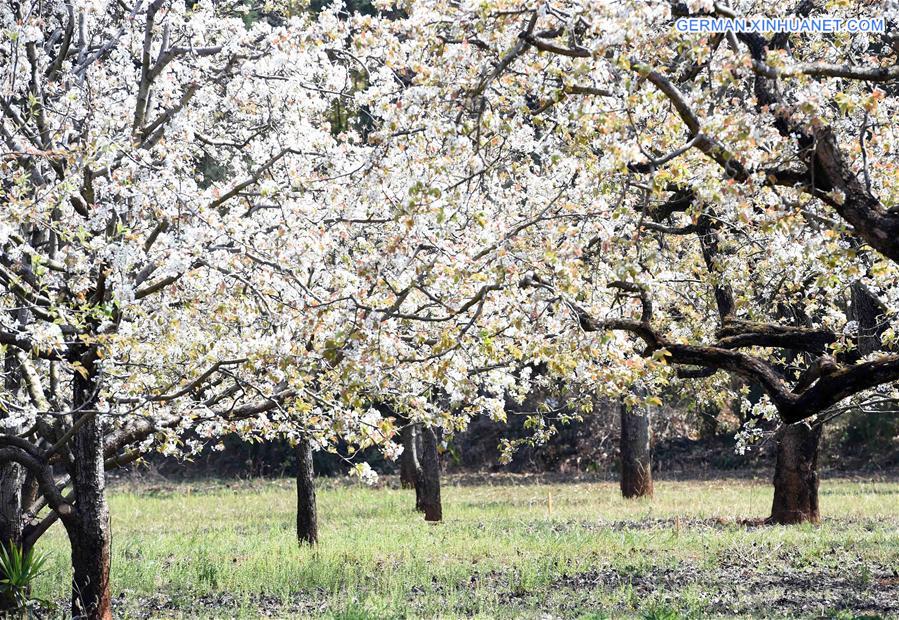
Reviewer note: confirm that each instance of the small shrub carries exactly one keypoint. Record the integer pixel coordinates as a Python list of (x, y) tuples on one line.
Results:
[(661, 612), (848, 615), (207, 572), (19, 569), (862, 577)]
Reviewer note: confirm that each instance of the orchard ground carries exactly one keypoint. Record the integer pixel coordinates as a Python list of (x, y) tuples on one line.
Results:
[(508, 547)]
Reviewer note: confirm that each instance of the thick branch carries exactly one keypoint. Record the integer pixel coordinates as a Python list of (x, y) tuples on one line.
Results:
[(736, 334), (822, 69)]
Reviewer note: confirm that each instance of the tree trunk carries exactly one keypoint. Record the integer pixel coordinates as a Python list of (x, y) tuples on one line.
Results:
[(636, 460), (708, 422), (868, 312), (307, 516), (12, 475), (12, 478), (428, 489), (407, 459), (414, 445), (88, 529), (796, 475)]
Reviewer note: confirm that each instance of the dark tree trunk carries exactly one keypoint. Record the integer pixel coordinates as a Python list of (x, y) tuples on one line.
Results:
[(428, 490), (407, 459), (414, 446), (868, 312), (420, 445), (636, 459), (796, 475), (12, 478), (708, 422), (307, 515), (12, 475), (88, 527)]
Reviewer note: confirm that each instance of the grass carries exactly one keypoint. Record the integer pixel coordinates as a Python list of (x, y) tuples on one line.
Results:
[(535, 551)]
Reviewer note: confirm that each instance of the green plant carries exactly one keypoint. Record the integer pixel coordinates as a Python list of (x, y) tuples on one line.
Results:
[(661, 612), (19, 569), (863, 577), (848, 615), (207, 572)]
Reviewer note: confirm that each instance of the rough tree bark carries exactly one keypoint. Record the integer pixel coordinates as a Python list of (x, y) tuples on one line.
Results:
[(88, 529), (636, 459), (428, 489), (412, 451), (796, 475), (407, 459), (868, 312), (12, 478), (307, 515)]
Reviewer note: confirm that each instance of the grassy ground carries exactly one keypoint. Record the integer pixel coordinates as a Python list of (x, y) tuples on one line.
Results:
[(534, 551)]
